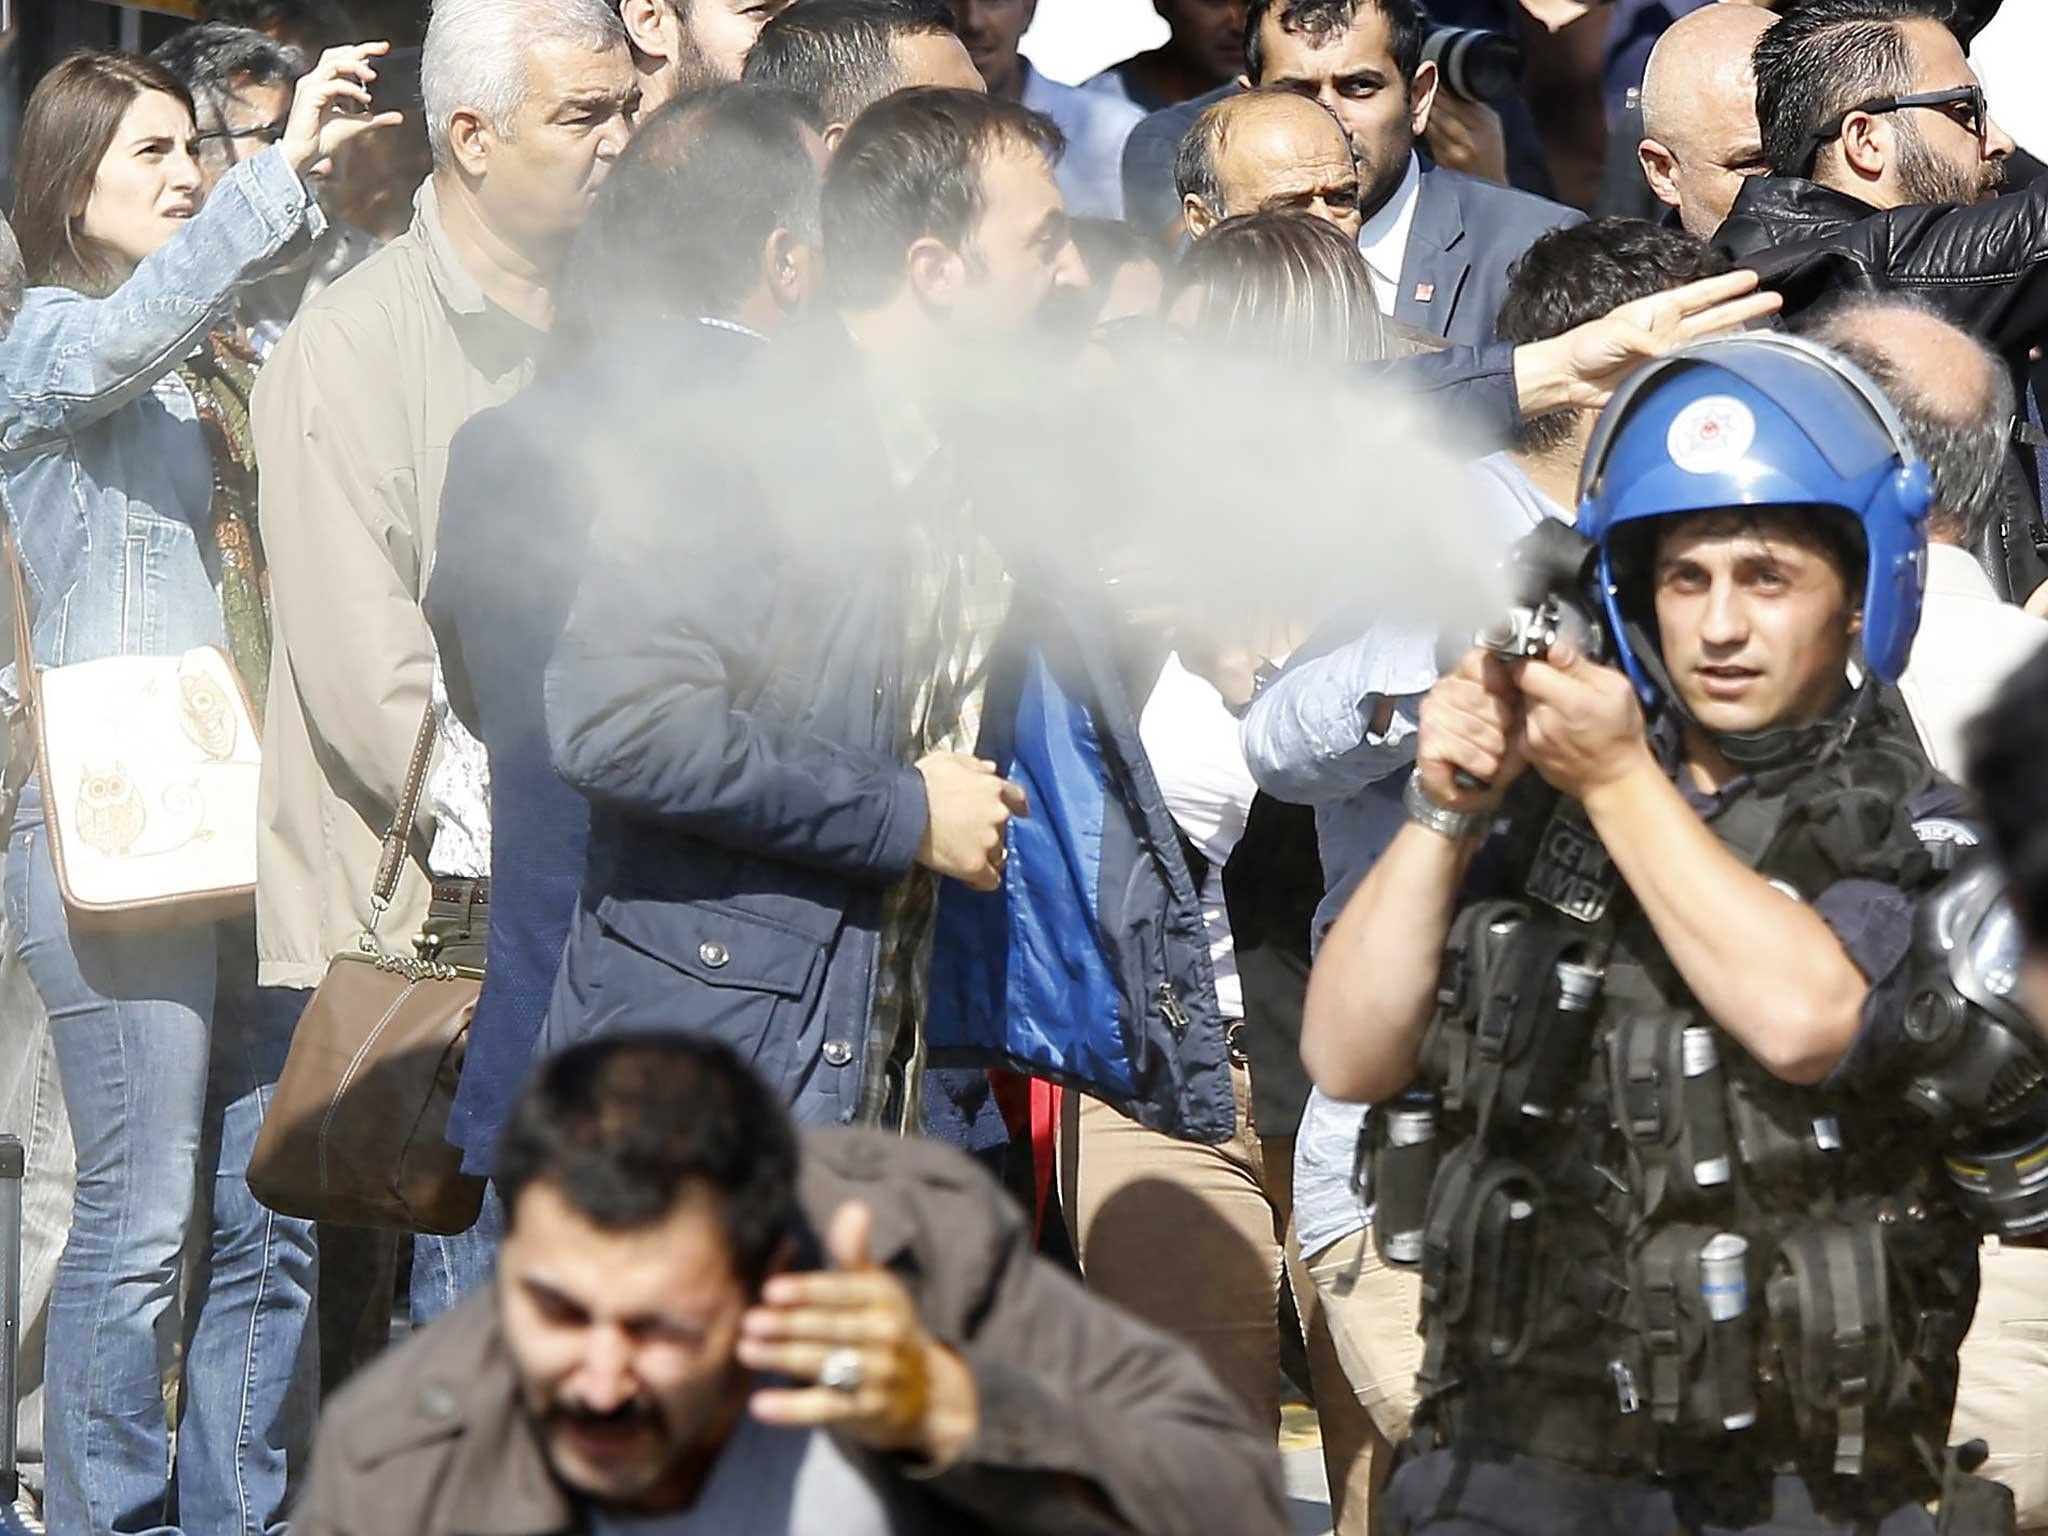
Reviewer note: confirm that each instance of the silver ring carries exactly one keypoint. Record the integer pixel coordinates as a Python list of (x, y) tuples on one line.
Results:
[(842, 1371)]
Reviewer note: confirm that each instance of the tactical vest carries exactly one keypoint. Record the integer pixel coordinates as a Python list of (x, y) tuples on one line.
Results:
[(1641, 1253)]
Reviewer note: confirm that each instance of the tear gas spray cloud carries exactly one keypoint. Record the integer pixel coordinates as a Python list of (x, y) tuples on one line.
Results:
[(1194, 487)]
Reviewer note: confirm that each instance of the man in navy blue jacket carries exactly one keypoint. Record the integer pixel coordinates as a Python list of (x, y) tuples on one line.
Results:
[(657, 307), (813, 705)]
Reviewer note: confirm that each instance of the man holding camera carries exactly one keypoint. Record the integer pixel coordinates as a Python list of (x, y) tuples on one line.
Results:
[(1634, 1020)]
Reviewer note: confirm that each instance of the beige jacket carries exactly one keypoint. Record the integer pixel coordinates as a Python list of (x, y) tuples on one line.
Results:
[(353, 414)]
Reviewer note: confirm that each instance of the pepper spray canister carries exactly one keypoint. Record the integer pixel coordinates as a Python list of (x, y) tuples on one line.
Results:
[(1706, 1108), (1724, 1287), (1557, 1056), (1404, 1168)]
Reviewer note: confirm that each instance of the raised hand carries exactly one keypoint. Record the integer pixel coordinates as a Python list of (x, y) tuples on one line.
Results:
[(331, 106), (1582, 368), (851, 1340)]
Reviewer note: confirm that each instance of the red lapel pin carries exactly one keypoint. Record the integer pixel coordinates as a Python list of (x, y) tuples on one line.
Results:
[(1424, 292)]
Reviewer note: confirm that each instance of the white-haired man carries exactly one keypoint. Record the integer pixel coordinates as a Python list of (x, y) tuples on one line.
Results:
[(528, 103)]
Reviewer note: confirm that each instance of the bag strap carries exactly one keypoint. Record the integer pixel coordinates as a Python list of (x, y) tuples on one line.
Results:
[(21, 750), (392, 860), (24, 644)]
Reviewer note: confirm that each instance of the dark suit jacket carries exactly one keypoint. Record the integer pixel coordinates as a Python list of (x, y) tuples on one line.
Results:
[(1466, 236)]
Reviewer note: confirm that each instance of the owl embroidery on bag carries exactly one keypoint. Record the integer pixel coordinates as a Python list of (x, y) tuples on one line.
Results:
[(203, 712), (111, 814)]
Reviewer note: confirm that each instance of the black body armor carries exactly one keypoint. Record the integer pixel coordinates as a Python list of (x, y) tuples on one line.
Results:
[(1641, 1253)]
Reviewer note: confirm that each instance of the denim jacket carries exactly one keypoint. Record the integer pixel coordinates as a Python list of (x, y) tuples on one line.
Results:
[(106, 480)]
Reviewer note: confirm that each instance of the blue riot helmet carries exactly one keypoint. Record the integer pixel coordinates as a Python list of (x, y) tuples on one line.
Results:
[(1766, 421)]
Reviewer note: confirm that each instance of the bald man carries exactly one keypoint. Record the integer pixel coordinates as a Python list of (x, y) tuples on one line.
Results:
[(1700, 135), (1267, 151), (1956, 400)]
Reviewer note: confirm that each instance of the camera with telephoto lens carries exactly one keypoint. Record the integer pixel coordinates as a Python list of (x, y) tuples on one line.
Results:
[(1474, 63)]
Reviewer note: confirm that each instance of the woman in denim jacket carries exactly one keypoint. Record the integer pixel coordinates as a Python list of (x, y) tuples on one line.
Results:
[(124, 474)]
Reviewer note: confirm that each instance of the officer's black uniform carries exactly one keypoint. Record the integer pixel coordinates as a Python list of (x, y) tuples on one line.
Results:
[(1663, 1289)]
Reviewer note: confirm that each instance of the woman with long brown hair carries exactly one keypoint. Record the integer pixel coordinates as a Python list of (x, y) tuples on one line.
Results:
[(128, 490)]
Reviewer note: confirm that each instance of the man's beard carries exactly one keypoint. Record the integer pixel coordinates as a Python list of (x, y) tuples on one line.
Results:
[(1378, 181), (1924, 177), (693, 1434), (693, 72)]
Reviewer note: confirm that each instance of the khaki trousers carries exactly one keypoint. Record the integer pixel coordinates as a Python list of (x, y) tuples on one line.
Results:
[(1373, 1312), (1197, 1241), (2003, 1397)]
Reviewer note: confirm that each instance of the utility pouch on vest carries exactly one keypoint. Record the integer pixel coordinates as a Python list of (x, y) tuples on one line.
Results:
[(1481, 1270), (1479, 940), (1691, 1288), (1404, 1154), (1829, 1300), (1785, 1148), (1670, 1100), (1545, 1079), (1515, 1015)]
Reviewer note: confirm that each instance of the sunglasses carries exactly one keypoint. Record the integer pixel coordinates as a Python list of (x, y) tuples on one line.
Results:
[(1965, 104)]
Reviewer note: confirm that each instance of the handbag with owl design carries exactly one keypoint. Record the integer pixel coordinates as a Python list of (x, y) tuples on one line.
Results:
[(149, 767)]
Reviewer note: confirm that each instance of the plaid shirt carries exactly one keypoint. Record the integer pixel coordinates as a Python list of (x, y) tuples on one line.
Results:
[(957, 595)]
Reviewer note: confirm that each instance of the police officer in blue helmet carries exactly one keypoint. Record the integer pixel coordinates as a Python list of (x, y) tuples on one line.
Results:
[(1628, 994)]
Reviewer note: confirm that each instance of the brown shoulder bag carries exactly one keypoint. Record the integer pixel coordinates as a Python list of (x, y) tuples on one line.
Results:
[(356, 1133)]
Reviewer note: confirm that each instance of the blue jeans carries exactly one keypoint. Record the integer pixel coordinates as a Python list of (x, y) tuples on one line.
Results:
[(167, 1052), (447, 1269)]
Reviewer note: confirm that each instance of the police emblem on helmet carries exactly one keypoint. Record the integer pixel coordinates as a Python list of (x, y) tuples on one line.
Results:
[(1711, 434)]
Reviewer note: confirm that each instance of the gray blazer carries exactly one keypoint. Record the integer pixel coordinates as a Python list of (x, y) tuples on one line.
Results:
[(1466, 237)]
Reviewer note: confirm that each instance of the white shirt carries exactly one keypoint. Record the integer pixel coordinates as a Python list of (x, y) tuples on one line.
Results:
[(1091, 172), (1192, 742), (459, 794), (1969, 643), (1384, 239)]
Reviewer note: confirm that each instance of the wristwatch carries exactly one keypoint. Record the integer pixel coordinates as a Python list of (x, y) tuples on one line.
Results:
[(1262, 676), (1425, 812)]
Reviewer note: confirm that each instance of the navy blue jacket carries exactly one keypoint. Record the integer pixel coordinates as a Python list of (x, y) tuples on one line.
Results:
[(524, 481), (726, 694)]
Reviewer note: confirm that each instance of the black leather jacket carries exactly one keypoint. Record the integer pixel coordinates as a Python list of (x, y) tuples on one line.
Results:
[(1985, 267), (1972, 17)]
